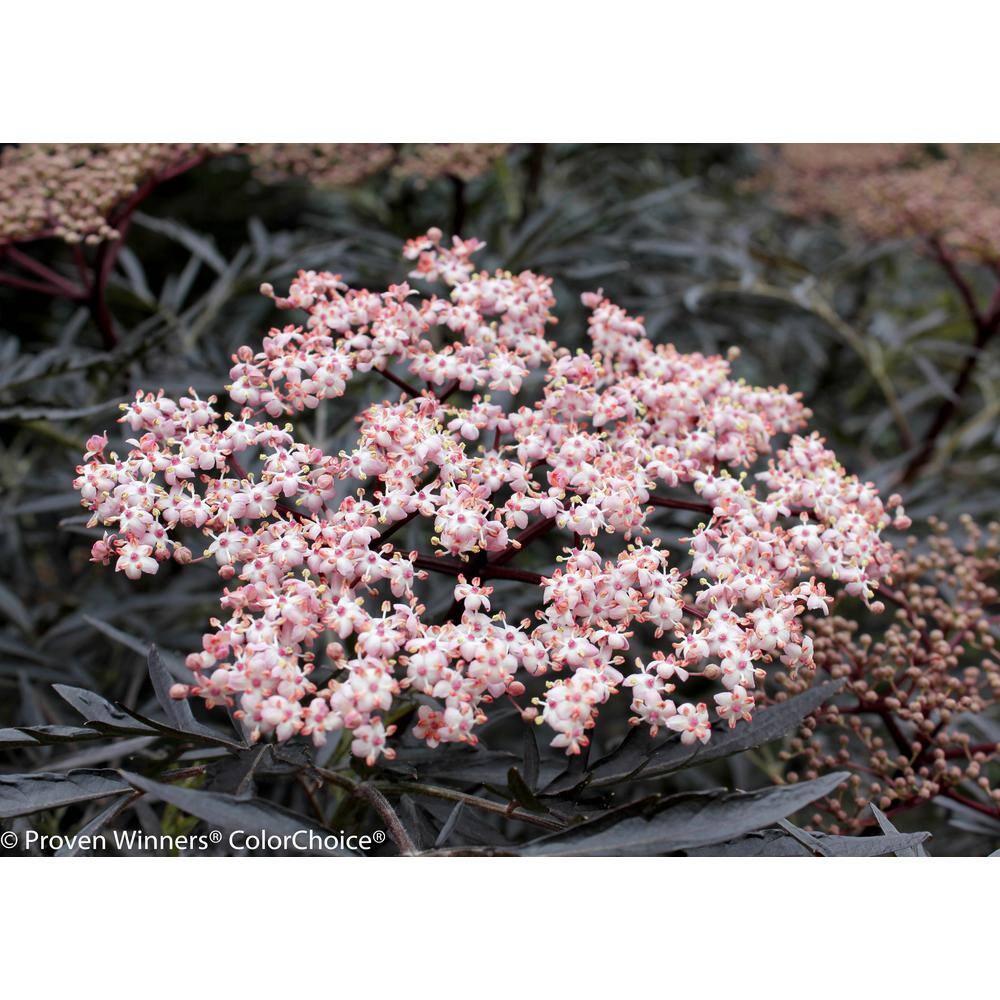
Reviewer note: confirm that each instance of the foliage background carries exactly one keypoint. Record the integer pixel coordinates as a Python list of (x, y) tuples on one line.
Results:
[(681, 235)]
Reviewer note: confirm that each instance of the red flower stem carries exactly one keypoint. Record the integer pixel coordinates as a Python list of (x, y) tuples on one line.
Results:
[(387, 533), (897, 734), (144, 190), (451, 567), (394, 527), (234, 463), (99, 309), (706, 508), (448, 390), (526, 537), (669, 502), (29, 285), (957, 752), (396, 380), (958, 279), (65, 287), (107, 253), (81, 265), (986, 326), (903, 744), (979, 807), (490, 571), (437, 564)]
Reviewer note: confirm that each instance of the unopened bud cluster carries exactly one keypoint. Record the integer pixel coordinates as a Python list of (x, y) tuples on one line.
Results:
[(913, 686), (72, 191)]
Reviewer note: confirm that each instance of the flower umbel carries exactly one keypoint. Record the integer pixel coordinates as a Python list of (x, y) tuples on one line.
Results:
[(307, 556)]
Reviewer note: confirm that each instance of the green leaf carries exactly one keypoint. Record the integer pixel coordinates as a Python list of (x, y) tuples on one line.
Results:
[(686, 821), (23, 794)]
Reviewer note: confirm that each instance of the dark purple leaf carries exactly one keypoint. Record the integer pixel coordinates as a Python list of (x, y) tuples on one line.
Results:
[(686, 821), (23, 794)]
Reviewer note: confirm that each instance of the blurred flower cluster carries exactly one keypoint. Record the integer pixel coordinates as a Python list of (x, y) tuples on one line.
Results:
[(463, 160), (916, 682), (306, 560), (948, 194), (73, 192), (319, 163)]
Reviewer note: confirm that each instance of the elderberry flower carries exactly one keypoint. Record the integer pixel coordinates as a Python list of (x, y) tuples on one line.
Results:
[(308, 544)]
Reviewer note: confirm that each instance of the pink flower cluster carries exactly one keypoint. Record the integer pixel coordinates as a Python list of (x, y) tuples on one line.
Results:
[(313, 579)]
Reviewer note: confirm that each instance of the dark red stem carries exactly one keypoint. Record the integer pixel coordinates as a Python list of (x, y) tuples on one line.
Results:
[(669, 502), (448, 390), (979, 807), (396, 380), (986, 325), (30, 285), (62, 285), (533, 531), (969, 751)]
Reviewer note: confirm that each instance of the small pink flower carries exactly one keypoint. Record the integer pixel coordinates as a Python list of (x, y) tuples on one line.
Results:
[(692, 723), (134, 560)]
